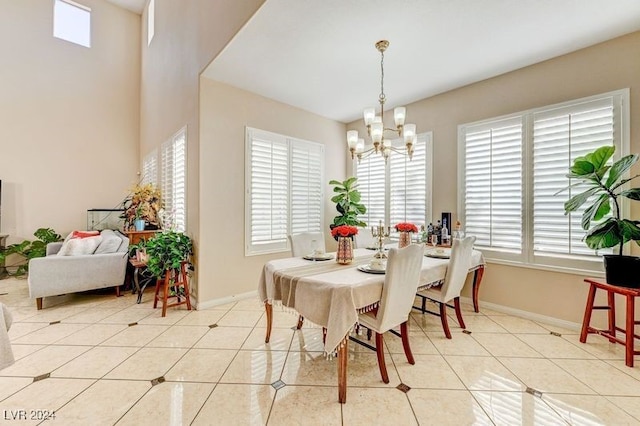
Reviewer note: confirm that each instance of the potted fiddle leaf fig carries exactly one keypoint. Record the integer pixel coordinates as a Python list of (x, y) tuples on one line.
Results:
[(602, 219), (348, 204)]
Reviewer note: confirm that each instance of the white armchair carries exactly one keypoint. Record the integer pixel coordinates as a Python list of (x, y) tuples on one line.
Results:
[(6, 353)]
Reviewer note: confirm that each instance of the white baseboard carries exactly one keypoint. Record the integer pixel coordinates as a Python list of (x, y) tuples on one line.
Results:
[(525, 314), (229, 299)]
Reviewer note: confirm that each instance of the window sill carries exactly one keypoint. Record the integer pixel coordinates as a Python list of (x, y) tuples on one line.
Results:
[(549, 268)]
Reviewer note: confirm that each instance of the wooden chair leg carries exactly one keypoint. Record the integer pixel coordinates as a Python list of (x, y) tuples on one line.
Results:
[(39, 303), (117, 291), (404, 334), (300, 322), (443, 319), (369, 334), (380, 353), (456, 304)]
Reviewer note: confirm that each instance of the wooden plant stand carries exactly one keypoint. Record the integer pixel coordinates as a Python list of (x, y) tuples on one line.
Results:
[(176, 279)]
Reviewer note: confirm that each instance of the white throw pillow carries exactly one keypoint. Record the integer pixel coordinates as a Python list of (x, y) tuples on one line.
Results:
[(80, 246), (110, 242)]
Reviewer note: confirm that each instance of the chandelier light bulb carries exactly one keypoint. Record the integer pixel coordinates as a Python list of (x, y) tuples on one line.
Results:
[(399, 114), (376, 131), (369, 114), (360, 146), (409, 133), (352, 138)]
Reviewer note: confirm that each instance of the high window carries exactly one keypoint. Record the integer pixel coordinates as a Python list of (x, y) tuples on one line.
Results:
[(72, 22), (151, 21), (284, 189), (150, 169), (514, 171), (400, 190)]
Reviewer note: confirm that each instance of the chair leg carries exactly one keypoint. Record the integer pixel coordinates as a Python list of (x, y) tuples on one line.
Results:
[(380, 353), (39, 303), (424, 304), (300, 322), (324, 335), (117, 291), (368, 334), (404, 334), (456, 304), (443, 319)]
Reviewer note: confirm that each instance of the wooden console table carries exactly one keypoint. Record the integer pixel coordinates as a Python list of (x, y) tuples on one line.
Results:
[(630, 294), (136, 236)]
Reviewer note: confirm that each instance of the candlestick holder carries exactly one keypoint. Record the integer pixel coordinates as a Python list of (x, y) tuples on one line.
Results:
[(380, 233)]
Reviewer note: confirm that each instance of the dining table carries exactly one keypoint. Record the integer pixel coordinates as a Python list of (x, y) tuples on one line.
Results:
[(332, 295)]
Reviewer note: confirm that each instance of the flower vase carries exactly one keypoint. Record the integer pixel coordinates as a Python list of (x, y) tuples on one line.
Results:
[(404, 240), (139, 224), (344, 254)]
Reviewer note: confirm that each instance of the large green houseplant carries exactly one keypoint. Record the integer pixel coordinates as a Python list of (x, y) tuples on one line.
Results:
[(28, 250), (602, 218), (347, 199), (166, 251)]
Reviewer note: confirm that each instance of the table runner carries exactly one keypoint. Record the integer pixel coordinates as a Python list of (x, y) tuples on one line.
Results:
[(330, 294)]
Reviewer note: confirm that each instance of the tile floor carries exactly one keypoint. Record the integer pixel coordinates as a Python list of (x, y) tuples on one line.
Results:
[(96, 359)]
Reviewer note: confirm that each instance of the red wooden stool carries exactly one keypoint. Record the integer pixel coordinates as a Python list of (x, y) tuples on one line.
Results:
[(630, 295), (176, 279)]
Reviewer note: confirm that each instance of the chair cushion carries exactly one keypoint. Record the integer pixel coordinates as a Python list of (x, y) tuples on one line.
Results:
[(80, 246), (110, 242)]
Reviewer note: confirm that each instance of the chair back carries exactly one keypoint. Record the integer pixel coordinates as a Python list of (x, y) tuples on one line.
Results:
[(364, 238), (304, 243), (458, 269), (400, 285)]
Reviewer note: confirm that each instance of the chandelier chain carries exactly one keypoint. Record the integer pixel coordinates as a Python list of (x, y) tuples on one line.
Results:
[(382, 96)]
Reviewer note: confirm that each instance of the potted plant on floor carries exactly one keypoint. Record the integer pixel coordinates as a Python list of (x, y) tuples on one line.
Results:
[(28, 250), (602, 218), (348, 204)]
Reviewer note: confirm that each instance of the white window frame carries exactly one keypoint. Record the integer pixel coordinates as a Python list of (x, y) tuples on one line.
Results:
[(562, 263), (149, 173), (171, 172), (63, 32), (280, 244), (425, 139)]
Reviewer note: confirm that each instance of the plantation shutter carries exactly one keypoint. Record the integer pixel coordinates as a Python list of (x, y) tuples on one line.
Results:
[(179, 190), (269, 190), (371, 184), (306, 186), (561, 135), (150, 169), (493, 184), (408, 186)]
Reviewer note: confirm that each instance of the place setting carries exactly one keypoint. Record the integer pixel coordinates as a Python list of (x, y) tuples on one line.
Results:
[(375, 266)]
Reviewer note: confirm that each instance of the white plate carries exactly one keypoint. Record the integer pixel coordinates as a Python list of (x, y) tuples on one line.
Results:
[(319, 257), (439, 253), (369, 270)]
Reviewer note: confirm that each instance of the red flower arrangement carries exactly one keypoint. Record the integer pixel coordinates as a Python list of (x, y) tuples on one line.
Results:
[(406, 227), (344, 231)]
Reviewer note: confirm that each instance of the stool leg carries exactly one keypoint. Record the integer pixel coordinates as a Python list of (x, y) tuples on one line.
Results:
[(587, 313), (155, 297), (629, 330), (611, 299), (167, 279), (186, 286)]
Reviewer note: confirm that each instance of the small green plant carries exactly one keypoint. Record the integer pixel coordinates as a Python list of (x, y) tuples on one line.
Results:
[(166, 251), (347, 201), (28, 250), (604, 188)]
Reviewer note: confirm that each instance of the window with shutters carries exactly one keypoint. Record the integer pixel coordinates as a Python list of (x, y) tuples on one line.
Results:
[(173, 179), (513, 179), (284, 190), (400, 190), (150, 169)]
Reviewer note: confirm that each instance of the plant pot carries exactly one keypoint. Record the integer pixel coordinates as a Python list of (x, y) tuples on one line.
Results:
[(622, 270), (139, 224)]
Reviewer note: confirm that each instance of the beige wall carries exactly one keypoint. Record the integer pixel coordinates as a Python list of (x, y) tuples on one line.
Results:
[(597, 69), (188, 35), (225, 111), (70, 116)]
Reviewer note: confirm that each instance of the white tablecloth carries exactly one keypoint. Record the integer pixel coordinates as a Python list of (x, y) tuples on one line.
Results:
[(330, 294), (6, 354)]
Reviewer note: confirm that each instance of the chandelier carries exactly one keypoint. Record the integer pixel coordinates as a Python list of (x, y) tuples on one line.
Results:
[(375, 125)]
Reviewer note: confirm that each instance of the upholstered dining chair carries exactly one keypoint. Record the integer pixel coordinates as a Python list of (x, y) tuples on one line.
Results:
[(304, 243), (459, 263), (398, 292)]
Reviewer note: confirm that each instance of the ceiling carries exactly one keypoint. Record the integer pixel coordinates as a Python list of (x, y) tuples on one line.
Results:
[(320, 55)]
